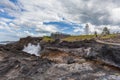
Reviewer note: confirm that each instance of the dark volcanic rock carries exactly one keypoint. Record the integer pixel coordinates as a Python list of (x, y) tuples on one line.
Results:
[(25, 41), (77, 44), (110, 55), (21, 43), (7, 65), (23, 67), (59, 61)]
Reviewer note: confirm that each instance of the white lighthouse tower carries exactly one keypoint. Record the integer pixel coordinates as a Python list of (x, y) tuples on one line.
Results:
[(87, 29)]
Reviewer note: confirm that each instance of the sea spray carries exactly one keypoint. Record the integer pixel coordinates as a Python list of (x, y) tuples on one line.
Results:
[(32, 49)]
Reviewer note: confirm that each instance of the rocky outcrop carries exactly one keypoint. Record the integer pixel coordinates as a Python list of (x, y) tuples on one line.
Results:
[(72, 67), (19, 45), (110, 55), (80, 60), (25, 41), (77, 44), (22, 66)]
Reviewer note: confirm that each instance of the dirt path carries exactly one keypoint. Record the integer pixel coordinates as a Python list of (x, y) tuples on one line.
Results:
[(103, 42)]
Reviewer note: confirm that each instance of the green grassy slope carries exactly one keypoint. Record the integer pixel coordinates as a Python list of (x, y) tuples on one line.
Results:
[(80, 37)]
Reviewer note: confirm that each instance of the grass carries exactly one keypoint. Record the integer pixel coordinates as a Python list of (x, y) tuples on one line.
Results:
[(78, 38), (110, 36), (47, 39)]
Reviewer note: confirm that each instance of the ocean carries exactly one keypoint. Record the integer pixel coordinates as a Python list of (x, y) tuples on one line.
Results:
[(6, 42)]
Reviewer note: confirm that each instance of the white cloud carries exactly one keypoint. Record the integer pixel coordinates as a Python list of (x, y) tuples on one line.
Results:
[(1, 10), (78, 11), (49, 28), (93, 28), (32, 14), (115, 15), (8, 4)]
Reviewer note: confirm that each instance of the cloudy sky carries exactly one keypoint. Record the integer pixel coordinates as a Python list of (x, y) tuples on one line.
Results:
[(20, 18)]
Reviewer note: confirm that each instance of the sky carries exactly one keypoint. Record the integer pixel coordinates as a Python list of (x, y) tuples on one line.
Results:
[(21, 18)]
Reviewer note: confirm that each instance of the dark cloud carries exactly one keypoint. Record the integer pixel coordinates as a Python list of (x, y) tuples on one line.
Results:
[(93, 11)]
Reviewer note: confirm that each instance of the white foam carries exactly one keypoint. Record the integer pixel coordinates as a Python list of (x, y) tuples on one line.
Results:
[(32, 49)]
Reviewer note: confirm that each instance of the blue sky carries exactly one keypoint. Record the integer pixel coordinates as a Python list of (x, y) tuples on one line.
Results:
[(21, 18)]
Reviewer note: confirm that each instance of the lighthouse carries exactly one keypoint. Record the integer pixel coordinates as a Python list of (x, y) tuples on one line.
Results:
[(87, 29)]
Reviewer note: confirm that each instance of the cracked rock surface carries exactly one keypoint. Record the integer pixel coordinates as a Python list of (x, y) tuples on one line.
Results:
[(83, 60)]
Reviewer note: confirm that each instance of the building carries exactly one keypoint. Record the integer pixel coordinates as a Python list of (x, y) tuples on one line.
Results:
[(87, 29)]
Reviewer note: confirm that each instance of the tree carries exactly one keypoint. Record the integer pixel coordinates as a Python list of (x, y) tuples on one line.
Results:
[(105, 31), (95, 33)]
